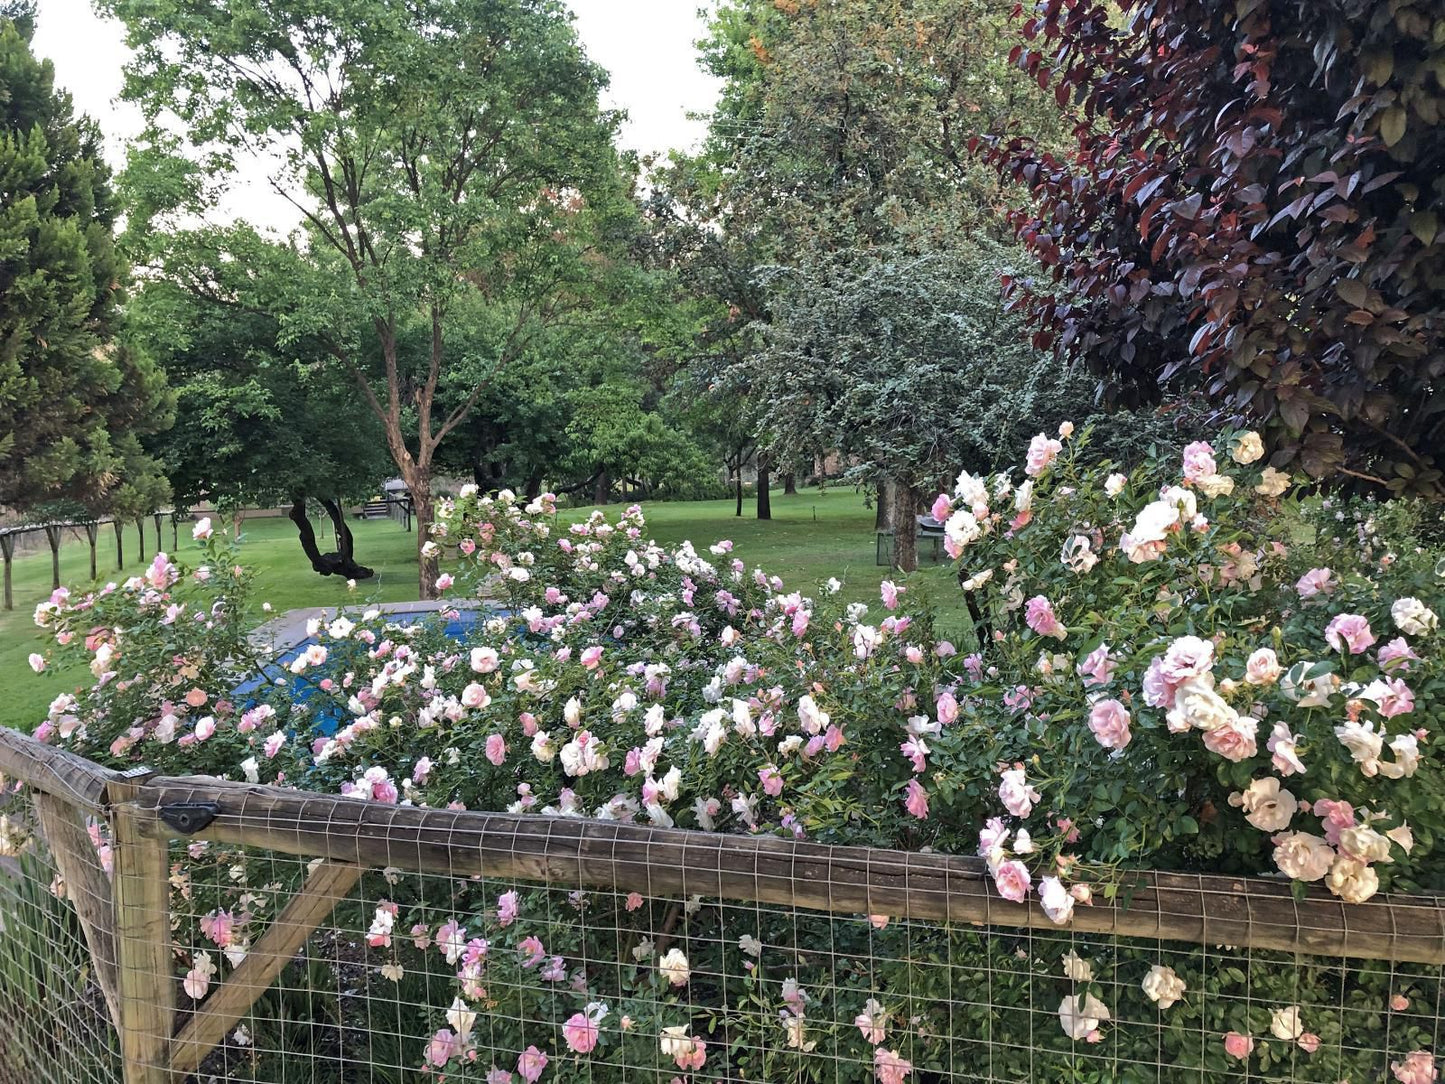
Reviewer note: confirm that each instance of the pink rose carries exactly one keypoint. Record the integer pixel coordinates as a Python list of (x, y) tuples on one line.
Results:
[(1234, 739), (942, 507), (1317, 581), (1199, 461), (580, 1033), (496, 749), (947, 706), (1012, 880), (1016, 794), (1349, 631), (1237, 1045), (1042, 453), (530, 1064), (891, 1068), (1098, 666), (442, 1048), (1309, 1042), (916, 801), (1109, 720), (1396, 655), (591, 657), (1039, 613), (1417, 1068)]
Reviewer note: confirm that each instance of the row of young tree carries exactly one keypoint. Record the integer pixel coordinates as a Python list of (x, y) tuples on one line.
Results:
[(1186, 202)]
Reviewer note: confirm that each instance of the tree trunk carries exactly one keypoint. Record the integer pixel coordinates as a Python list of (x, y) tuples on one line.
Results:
[(119, 547), (140, 533), (882, 514), (344, 543), (603, 489), (905, 528), (765, 498), (533, 487), (327, 564), (424, 509), (790, 484)]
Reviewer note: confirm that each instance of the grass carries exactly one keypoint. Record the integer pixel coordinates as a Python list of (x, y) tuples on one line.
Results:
[(811, 537)]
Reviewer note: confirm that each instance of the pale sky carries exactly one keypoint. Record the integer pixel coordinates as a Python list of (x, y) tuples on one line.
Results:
[(647, 46)]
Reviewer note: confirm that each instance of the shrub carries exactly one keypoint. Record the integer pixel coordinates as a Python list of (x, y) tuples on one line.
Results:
[(1161, 649)]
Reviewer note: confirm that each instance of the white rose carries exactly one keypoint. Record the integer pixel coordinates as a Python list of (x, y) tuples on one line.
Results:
[(1162, 986), (1079, 1016), (1363, 743), (1215, 485), (543, 748), (1201, 708), (1272, 483), (1413, 617), (674, 967), (1285, 1024), (1303, 857), (1077, 968), (1266, 805), (1115, 483), (1351, 880), (1366, 844), (1263, 667), (1247, 448)]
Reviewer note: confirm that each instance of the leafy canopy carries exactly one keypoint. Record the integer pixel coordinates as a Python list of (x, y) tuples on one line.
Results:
[(1252, 206)]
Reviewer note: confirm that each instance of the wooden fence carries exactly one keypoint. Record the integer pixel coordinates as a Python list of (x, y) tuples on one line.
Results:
[(127, 929), (54, 533)]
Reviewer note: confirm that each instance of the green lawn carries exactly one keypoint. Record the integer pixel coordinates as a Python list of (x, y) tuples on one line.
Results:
[(811, 537)]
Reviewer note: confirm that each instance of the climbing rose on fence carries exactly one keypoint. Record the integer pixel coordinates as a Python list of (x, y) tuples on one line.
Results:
[(1146, 686)]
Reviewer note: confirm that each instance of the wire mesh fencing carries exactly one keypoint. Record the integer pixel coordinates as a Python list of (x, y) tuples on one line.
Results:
[(261, 935)]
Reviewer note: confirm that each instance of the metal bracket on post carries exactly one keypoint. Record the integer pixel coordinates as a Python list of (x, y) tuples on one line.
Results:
[(188, 818)]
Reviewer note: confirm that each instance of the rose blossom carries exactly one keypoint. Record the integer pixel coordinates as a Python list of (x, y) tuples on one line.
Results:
[(1012, 880), (1396, 655), (1199, 461), (1281, 745), (1247, 448), (1041, 618), (1081, 1015), (1413, 617), (1272, 483), (1162, 986), (1262, 667), (1349, 631), (1265, 805), (1109, 720), (1301, 856), (1042, 452), (1285, 1023), (1237, 1045), (1015, 793), (891, 1067), (1352, 880), (1316, 581), (1417, 1068), (1056, 901)]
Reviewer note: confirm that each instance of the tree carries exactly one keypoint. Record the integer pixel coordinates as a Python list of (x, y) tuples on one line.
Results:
[(842, 128), (75, 392), (907, 365), (435, 151), (258, 425), (1252, 207)]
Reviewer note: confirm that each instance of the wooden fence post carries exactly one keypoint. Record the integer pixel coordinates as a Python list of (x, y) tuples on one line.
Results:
[(7, 546), (92, 532), (145, 980)]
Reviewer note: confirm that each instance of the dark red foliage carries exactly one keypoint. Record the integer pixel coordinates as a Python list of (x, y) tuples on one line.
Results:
[(1255, 207)]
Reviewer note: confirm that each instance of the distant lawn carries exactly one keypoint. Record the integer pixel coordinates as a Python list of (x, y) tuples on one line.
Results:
[(811, 537)]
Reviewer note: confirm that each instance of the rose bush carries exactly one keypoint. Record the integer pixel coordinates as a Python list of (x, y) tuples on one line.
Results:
[(1171, 667)]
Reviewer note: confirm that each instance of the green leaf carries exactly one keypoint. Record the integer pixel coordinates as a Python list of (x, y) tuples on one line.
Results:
[(1392, 125), (1424, 225)]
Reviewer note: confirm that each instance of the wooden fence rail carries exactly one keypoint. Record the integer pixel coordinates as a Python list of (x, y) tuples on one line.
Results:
[(54, 532), (147, 812)]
